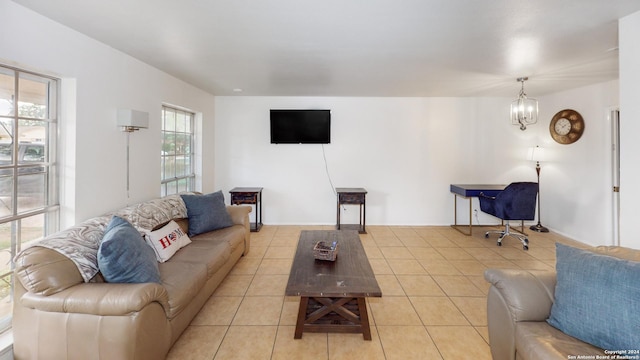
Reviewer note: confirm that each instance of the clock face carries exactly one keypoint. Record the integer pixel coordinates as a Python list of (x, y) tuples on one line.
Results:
[(563, 126), (566, 127)]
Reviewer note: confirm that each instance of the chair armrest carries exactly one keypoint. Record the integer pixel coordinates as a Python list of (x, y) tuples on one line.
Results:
[(105, 299), (515, 296), (482, 195)]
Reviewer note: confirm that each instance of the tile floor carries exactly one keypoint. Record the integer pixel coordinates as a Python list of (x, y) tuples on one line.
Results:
[(433, 304)]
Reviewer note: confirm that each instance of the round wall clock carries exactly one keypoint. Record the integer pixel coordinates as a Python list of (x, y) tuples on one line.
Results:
[(566, 126)]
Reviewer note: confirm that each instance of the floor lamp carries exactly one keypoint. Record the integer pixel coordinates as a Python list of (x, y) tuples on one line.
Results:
[(537, 154)]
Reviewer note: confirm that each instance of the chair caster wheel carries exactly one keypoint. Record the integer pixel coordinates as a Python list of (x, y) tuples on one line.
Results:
[(499, 243), (526, 241), (525, 247), (486, 235)]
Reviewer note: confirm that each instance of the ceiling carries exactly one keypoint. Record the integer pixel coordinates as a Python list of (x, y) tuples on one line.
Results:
[(360, 47)]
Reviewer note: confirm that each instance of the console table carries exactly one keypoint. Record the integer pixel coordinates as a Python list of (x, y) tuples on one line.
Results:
[(249, 196), (353, 196)]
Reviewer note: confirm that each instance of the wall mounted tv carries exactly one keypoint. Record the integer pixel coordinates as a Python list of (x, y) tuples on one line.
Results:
[(300, 126)]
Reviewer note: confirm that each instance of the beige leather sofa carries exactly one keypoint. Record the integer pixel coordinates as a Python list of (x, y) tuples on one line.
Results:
[(60, 315), (518, 305)]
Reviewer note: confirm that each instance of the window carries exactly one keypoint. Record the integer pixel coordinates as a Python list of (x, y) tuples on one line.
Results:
[(177, 153), (28, 187)]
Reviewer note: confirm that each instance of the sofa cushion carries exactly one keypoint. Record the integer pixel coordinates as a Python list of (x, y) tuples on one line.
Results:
[(183, 281), (206, 212), (596, 298), (124, 257), (538, 340), (213, 254), (233, 236), (167, 240)]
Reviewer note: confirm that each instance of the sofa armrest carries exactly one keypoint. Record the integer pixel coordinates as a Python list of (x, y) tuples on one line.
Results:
[(514, 296), (105, 299), (240, 216)]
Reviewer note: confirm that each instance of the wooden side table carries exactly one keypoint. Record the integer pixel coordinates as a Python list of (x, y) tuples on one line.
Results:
[(249, 196), (353, 196)]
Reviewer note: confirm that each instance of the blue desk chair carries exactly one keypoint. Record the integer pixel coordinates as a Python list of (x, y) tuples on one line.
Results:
[(516, 202)]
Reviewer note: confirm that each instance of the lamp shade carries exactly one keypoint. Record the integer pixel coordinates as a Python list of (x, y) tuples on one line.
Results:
[(536, 154), (133, 119)]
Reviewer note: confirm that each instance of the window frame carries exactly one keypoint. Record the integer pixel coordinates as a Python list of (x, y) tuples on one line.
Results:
[(177, 181), (19, 167)]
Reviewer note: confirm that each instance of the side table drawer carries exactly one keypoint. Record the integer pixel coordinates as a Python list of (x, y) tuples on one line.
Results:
[(347, 198), (244, 198)]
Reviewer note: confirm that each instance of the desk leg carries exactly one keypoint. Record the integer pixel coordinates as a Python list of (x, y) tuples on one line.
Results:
[(455, 215)]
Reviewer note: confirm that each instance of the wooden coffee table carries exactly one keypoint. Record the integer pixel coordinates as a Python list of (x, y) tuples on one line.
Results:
[(332, 293)]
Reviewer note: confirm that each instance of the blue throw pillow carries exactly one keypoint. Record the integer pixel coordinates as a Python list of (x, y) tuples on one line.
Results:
[(597, 298), (124, 256), (206, 212)]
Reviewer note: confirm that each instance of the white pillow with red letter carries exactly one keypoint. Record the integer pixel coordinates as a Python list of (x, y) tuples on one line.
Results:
[(167, 240)]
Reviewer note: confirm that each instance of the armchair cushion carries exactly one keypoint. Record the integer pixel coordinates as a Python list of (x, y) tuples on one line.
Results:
[(596, 298)]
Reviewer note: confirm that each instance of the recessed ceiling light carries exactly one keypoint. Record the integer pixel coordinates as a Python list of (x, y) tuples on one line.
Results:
[(237, 90)]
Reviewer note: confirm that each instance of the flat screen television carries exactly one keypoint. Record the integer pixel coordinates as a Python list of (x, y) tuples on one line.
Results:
[(300, 126)]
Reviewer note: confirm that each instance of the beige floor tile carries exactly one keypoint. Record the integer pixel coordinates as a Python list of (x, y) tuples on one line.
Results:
[(459, 342), (484, 332), (414, 241), (290, 308), (218, 310), (380, 266), (390, 240), (312, 346), (437, 311), (256, 252), (454, 254), (285, 240), (261, 241), (389, 285), (425, 253), (373, 252), (407, 343), (197, 343), (246, 266), (353, 346), (484, 254), (405, 231), (247, 342), (234, 285), (457, 285), (515, 253), (406, 267), (499, 264), (541, 253), (259, 310), (469, 267), (393, 310), (440, 242), (480, 283), (396, 252), (275, 266), (280, 252), (473, 308), (419, 285), (439, 267), (534, 265), (268, 285)]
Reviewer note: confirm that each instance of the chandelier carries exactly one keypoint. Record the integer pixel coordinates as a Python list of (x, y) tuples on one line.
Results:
[(524, 110)]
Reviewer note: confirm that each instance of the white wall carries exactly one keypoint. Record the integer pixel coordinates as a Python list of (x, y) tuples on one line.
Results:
[(576, 180), (629, 31), (404, 151), (98, 80)]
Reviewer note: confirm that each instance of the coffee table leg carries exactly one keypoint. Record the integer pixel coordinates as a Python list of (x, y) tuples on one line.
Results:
[(302, 314), (364, 318)]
